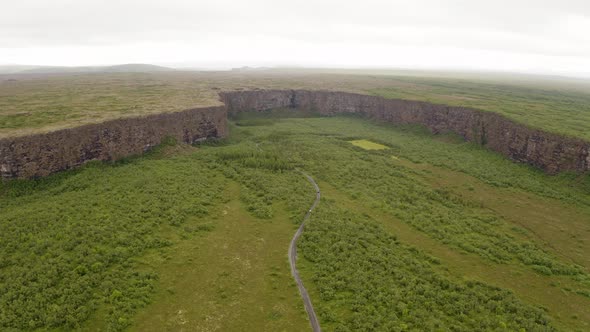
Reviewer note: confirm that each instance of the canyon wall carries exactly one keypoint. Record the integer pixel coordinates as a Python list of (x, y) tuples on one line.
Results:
[(550, 152), (43, 154)]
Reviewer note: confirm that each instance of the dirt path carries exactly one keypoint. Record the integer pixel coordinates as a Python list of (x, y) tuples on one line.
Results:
[(313, 320)]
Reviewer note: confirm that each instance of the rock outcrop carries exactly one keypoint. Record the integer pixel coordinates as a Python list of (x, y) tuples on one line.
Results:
[(550, 152), (43, 154)]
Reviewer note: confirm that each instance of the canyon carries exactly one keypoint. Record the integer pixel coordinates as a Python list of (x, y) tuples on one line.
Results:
[(550, 152), (43, 154)]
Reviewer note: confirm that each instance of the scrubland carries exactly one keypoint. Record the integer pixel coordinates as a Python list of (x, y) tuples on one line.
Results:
[(427, 233)]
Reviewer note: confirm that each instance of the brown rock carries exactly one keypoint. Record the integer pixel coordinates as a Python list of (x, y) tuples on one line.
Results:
[(43, 154)]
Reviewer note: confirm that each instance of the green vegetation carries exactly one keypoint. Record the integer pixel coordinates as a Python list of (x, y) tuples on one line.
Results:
[(68, 241), (368, 281), (40, 103), (430, 233), (230, 278), (401, 188), (70, 247), (368, 145)]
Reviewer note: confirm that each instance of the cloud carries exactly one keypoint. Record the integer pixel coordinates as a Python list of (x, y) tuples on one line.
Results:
[(371, 32)]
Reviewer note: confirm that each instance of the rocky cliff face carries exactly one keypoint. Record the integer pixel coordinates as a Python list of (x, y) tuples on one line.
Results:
[(550, 152), (43, 154)]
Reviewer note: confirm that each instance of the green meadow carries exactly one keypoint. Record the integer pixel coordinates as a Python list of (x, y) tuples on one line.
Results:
[(368, 145), (425, 233)]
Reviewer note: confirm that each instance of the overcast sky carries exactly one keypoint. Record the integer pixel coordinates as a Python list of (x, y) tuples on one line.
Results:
[(515, 35)]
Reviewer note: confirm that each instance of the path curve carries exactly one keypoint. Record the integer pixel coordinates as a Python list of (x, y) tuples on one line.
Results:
[(313, 320)]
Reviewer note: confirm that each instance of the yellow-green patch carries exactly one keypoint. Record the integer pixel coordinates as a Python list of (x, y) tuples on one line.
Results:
[(368, 145)]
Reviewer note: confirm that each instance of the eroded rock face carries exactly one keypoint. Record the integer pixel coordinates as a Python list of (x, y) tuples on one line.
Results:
[(43, 154), (257, 99), (550, 152)]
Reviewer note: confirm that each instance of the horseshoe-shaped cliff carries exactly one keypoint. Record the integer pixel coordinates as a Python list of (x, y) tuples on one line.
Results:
[(43, 154)]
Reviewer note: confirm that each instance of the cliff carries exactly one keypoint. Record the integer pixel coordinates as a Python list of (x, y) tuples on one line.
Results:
[(550, 152), (43, 154)]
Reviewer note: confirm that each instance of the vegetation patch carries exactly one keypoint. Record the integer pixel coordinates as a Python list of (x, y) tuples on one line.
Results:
[(367, 280), (68, 242), (368, 145)]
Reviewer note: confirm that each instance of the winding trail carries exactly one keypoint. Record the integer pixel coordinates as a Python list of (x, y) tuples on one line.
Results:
[(313, 320)]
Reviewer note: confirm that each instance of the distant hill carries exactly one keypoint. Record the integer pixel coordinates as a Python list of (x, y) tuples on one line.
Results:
[(135, 67), (11, 69), (125, 68), (247, 68)]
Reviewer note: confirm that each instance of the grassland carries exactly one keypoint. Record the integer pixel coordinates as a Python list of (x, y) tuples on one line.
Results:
[(429, 233), (79, 256), (368, 145), (40, 103)]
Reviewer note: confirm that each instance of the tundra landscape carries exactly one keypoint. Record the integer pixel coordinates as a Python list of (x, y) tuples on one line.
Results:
[(175, 209), (280, 166)]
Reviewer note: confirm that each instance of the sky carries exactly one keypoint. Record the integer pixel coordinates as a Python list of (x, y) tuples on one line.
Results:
[(532, 36)]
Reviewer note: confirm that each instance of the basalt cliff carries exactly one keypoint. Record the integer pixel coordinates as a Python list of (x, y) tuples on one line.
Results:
[(43, 154), (550, 152)]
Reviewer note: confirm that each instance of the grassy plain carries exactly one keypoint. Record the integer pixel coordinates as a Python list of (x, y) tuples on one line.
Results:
[(235, 278), (39, 103), (446, 234), (368, 145)]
